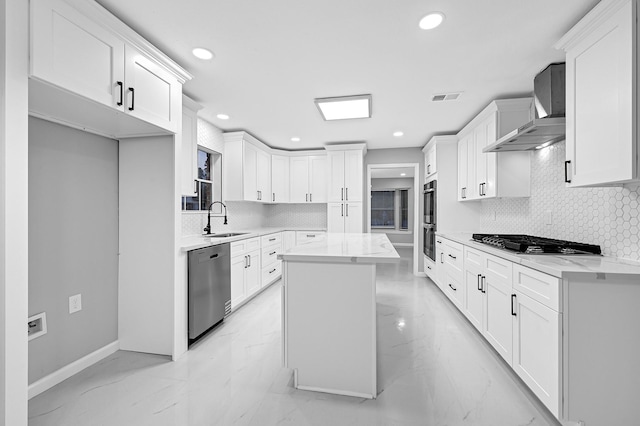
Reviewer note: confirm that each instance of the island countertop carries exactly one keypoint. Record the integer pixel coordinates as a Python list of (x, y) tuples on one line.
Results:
[(347, 248)]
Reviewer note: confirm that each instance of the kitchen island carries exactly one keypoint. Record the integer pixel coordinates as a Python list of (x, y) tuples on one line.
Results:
[(329, 312)]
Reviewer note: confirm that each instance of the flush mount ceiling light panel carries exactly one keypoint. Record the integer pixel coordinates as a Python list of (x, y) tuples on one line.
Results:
[(344, 107), (202, 53)]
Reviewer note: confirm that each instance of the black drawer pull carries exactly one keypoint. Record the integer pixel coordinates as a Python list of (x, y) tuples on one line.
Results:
[(452, 256), (272, 271), (479, 277), (272, 253), (119, 83), (484, 280), (566, 172), (272, 239), (513, 308), (213, 256), (453, 288), (133, 98)]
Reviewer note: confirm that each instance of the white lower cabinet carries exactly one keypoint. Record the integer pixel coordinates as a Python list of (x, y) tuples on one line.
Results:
[(344, 217), (271, 267), (245, 270), (303, 237), (536, 349)]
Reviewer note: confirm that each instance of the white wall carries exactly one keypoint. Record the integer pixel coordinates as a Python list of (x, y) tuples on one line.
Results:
[(609, 217), (14, 206), (73, 243)]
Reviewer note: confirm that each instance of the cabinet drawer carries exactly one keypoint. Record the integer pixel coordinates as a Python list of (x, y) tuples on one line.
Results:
[(271, 239), (309, 236), (270, 255), (271, 273), (539, 286), (243, 246), (453, 289), (430, 268), (472, 258), (453, 259), (498, 270)]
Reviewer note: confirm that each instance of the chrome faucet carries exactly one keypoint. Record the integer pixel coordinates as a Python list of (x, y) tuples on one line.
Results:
[(207, 228)]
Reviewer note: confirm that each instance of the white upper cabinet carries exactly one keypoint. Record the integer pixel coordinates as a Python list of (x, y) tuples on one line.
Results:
[(189, 136), (345, 172), (602, 94), (246, 168), (79, 48), (279, 178), (308, 179), (489, 175), (430, 159)]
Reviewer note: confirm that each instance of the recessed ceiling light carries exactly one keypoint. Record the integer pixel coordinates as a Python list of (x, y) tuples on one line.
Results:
[(223, 116), (344, 107), (403, 174), (431, 21), (202, 53), (295, 139), (398, 134)]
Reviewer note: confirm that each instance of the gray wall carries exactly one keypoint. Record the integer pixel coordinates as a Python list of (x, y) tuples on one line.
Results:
[(73, 242), (393, 156), (397, 236)]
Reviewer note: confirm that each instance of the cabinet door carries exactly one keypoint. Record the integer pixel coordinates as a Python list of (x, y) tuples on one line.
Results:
[(353, 218), (252, 273), (299, 179), (473, 306), (288, 240), (318, 179), (73, 52), (430, 161), (536, 349), (336, 176), (353, 180), (279, 179), (485, 180), (498, 318), (238, 289), (462, 168), (471, 193), (601, 99), (491, 175), (263, 176), (440, 266), (189, 155), (335, 217), (151, 93), (250, 172)]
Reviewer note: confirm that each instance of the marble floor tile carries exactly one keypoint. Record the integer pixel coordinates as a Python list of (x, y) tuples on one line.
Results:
[(433, 369)]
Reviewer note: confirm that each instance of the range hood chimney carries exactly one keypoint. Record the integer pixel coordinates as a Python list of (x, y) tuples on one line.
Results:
[(549, 126)]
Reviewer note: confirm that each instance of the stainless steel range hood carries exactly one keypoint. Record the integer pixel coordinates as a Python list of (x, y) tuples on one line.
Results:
[(549, 93)]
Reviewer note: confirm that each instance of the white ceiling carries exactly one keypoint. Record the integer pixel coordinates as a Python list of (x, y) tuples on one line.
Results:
[(272, 58)]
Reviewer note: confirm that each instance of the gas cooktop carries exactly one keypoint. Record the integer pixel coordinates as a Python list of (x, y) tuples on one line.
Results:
[(529, 244)]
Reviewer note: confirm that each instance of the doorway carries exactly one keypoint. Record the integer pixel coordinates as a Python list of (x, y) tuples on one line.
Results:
[(394, 193)]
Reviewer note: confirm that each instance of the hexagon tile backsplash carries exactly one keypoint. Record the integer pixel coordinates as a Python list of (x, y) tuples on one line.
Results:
[(605, 216)]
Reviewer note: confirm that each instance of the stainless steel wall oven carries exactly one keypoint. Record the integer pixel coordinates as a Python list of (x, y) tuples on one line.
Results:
[(429, 219)]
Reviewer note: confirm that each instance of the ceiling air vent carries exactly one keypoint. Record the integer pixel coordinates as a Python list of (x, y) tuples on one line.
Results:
[(445, 97)]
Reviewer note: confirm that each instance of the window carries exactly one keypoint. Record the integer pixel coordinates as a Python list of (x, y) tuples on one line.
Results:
[(390, 209), (209, 183)]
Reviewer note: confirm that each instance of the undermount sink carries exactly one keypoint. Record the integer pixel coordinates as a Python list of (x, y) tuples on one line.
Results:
[(227, 235)]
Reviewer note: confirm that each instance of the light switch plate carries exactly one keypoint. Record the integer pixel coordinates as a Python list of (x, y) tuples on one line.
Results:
[(75, 303)]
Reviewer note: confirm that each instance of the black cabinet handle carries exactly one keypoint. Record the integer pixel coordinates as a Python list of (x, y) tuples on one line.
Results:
[(453, 288), (311, 198), (195, 186), (249, 261), (213, 256), (451, 256), (133, 98), (272, 253), (484, 280), (513, 308), (306, 197), (272, 239), (566, 172), (273, 196), (439, 242), (341, 194), (342, 210), (272, 271), (346, 194), (441, 257), (119, 83), (479, 288)]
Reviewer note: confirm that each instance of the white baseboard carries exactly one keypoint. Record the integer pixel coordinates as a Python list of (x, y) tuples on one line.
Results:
[(402, 244), (58, 376)]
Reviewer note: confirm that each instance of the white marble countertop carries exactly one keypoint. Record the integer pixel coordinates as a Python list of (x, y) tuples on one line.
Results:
[(556, 265), (193, 242), (347, 248)]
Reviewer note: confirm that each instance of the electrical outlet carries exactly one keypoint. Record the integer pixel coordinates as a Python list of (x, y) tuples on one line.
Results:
[(75, 303)]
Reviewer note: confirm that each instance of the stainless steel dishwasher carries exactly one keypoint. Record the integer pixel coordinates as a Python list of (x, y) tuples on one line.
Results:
[(209, 288)]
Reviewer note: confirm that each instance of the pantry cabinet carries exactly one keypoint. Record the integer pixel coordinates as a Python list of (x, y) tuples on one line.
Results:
[(344, 217), (490, 175), (77, 47), (189, 137), (246, 168), (308, 179), (602, 94), (345, 172)]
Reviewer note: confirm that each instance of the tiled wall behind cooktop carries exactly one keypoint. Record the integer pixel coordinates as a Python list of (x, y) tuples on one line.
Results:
[(605, 216)]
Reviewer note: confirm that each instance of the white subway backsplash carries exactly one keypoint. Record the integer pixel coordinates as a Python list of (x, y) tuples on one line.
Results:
[(313, 216), (605, 216)]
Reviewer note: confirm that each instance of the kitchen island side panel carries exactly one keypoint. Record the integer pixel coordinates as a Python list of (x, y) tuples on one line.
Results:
[(330, 331)]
